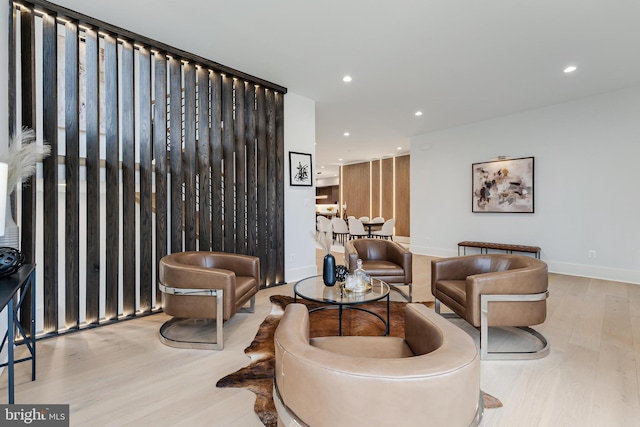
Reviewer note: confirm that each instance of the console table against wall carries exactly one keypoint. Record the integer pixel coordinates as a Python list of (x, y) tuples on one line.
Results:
[(24, 282), (485, 246)]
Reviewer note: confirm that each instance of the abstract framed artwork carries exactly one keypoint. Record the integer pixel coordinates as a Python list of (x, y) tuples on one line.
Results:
[(300, 169), (503, 186)]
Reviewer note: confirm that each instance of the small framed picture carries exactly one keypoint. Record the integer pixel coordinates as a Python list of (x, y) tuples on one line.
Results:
[(300, 171)]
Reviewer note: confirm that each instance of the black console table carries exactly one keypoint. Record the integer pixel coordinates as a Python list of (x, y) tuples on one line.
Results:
[(13, 290)]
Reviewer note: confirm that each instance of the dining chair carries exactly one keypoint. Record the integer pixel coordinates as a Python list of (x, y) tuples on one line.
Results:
[(378, 219), (364, 219), (387, 230), (356, 229), (340, 229), (323, 224)]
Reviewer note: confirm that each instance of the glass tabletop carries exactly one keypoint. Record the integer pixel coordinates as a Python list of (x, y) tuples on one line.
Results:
[(314, 289)]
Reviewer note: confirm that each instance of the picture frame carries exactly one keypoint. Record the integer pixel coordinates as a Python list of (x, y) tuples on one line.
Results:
[(300, 169), (503, 186)]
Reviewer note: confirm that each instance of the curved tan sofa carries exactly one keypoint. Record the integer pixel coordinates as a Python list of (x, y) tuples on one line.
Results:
[(512, 288), (206, 285), (432, 377)]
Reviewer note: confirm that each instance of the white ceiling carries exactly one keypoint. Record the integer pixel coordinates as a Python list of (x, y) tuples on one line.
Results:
[(458, 61)]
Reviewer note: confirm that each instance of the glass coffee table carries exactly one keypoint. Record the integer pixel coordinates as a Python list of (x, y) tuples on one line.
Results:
[(314, 289)]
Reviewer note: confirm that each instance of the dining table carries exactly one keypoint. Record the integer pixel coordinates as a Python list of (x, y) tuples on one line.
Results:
[(369, 226)]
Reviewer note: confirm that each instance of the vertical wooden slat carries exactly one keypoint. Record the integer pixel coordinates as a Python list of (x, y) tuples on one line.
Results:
[(129, 230), (175, 118), (261, 176), (92, 103), (144, 149), (227, 155), (216, 162), (204, 167), (72, 194), (279, 185), (252, 182), (403, 196), (160, 156), (12, 73), (28, 64), (50, 171), (112, 142), (375, 189), (189, 161), (271, 188), (240, 172), (387, 188)]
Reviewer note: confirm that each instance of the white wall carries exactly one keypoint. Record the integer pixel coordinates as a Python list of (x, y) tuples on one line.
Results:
[(299, 202), (587, 180)]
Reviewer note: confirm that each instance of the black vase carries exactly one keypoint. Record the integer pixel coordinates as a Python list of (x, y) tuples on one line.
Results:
[(329, 270)]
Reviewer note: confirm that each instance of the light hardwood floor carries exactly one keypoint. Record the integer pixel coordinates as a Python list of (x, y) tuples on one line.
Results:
[(121, 375)]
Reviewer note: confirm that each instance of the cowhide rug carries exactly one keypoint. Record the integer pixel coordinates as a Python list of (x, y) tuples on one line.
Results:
[(258, 376)]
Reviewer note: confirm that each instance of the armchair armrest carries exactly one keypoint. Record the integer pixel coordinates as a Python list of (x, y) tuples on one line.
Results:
[(398, 254), (458, 268), (350, 256), (522, 281)]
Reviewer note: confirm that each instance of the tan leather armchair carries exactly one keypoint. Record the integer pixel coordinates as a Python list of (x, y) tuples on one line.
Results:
[(494, 290), (205, 285), (382, 259), (431, 377)]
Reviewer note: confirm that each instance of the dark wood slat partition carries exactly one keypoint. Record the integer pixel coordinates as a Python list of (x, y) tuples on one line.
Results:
[(72, 166), (204, 166), (214, 134), (27, 35), (271, 185), (189, 161), (50, 171), (146, 190), (217, 226), (92, 266), (127, 133), (14, 41), (227, 158), (262, 176), (278, 212), (160, 156), (252, 182), (112, 141), (240, 169), (175, 133)]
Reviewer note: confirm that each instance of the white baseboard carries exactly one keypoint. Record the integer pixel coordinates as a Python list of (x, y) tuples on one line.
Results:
[(296, 274), (592, 271)]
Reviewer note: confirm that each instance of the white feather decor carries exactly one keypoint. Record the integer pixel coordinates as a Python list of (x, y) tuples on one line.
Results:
[(22, 157)]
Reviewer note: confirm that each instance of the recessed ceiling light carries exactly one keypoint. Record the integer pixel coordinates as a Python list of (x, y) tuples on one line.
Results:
[(339, 160), (347, 79), (346, 134), (399, 148), (322, 167), (570, 69), (418, 113)]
